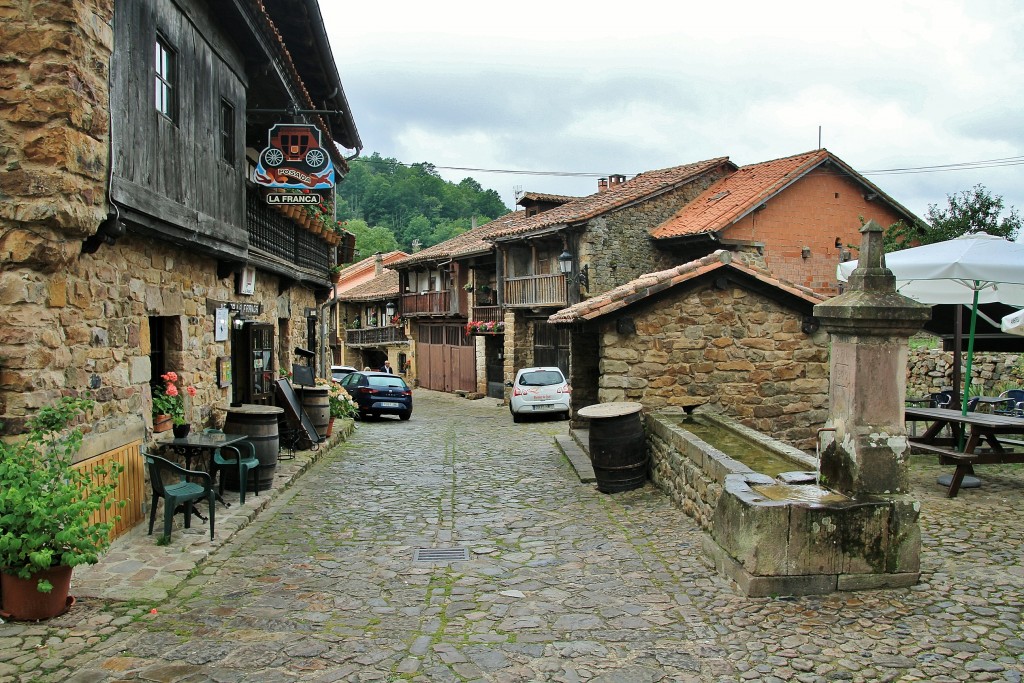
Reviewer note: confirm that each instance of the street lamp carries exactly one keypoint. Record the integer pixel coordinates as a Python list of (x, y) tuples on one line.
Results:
[(390, 309), (565, 265)]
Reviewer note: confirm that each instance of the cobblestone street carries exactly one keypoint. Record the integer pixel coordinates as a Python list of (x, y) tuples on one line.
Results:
[(562, 583)]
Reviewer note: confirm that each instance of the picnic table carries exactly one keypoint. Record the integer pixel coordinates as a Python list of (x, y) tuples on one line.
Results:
[(980, 427)]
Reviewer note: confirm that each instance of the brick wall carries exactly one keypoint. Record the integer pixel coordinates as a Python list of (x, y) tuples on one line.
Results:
[(815, 212)]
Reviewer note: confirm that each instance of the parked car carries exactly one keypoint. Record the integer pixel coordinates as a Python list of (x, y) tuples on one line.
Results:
[(379, 393), (338, 372), (539, 391)]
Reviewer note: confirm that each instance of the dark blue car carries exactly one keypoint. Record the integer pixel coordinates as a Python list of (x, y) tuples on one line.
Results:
[(379, 393)]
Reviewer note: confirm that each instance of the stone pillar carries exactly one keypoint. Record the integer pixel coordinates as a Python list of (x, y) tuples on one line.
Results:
[(870, 325)]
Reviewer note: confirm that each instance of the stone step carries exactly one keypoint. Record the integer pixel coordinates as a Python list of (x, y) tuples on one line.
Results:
[(577, 457)]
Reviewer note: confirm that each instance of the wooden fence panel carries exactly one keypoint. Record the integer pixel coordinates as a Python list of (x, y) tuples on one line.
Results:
[(131, 486)]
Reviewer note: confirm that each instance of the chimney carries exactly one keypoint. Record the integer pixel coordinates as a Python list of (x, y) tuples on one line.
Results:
[(616, 180), (378, 264), (602, 184)]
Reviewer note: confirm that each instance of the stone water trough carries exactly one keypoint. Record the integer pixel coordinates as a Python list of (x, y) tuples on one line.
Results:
[(779, 531)]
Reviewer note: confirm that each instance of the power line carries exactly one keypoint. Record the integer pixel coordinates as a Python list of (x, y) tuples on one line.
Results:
[(907, 170)]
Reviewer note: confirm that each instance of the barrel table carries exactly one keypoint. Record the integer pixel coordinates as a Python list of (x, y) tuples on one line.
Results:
[(617, 448), (259, 424), (315, 402)]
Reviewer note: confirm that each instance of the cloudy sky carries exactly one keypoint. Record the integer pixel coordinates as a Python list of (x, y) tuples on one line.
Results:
[(559, 88)]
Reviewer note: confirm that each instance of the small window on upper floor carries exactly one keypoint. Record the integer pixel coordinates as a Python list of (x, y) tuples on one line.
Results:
[(227, 131), (165, 79)]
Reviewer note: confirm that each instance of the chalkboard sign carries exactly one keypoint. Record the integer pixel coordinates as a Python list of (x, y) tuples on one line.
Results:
[(296, 411)]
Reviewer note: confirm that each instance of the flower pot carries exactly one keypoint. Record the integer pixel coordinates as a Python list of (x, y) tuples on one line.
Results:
[(21, 600), (161, 423), (181, 431)]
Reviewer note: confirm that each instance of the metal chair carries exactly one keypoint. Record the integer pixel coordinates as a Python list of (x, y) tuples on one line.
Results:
[(178, 492), (219, 462), (1014, 402)]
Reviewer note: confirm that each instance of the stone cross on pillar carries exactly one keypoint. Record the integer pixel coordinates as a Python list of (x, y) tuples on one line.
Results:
[(870, 325)]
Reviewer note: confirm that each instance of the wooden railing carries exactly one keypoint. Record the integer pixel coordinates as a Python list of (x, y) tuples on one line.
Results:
[(392, 334), (535, 290), (427, 303), (487, 314)]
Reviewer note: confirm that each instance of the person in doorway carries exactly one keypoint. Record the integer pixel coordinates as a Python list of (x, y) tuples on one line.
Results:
[(387, 368)]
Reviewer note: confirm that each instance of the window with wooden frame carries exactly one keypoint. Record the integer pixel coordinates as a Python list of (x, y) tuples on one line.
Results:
[(165, 79), (227, 131)]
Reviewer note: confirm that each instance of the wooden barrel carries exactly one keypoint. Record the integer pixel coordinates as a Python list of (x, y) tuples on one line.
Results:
[(259, 424), (617, 447), (315, 402)]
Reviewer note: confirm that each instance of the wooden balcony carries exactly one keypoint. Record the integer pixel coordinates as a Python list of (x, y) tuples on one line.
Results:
[(487, 314), (374, 336), (535, 290), (426, 304)]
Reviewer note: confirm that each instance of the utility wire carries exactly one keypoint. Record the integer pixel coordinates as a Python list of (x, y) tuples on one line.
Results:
[(960, 166)]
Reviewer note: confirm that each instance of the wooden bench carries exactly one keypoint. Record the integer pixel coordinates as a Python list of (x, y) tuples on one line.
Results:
[(965, 462)]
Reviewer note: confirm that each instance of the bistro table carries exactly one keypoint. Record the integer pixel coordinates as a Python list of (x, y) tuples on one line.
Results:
[(196, 445), (981, 426)]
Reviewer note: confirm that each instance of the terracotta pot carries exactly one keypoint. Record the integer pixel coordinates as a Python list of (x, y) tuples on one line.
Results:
[(161, 423), (181, 431), (22, 601)]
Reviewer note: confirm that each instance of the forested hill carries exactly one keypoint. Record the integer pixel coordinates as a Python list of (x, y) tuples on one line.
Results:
[(388, 204)]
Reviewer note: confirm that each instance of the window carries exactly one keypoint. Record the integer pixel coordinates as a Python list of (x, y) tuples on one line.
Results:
[(227, 131), (165, 80)]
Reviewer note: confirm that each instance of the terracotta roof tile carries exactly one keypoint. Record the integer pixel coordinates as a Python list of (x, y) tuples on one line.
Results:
[(736, 195), (642, 186), (653, 283), (384, 286), (469, 242), (542, 197)]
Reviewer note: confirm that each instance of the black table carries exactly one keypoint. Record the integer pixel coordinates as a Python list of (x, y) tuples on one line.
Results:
[(195, 445)]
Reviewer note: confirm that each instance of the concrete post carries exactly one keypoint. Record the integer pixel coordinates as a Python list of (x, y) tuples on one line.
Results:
[(870, 325)]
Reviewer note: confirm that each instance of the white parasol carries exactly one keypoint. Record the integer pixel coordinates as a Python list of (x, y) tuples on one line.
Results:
[(972, 270)]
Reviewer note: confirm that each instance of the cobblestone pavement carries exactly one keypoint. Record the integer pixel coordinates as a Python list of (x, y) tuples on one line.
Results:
[(563, 583)]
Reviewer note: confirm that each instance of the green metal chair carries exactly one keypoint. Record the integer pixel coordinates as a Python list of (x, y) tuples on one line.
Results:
[(219, 462), (170, 481)]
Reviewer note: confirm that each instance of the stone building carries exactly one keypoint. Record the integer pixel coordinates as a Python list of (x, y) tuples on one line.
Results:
[(718, 330), (133, 239)]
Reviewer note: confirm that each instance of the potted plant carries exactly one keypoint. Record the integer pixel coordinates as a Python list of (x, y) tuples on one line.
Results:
[(46, 510), (335, 271), (167, 400)]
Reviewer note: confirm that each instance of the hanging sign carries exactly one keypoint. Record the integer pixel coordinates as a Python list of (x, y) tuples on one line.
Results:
[(294, 159)]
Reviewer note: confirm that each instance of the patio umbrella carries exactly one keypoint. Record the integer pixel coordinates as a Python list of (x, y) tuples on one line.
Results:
[(969, 270)]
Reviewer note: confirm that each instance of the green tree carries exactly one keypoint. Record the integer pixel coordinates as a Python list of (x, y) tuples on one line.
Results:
[(371, 240), (968, 212)]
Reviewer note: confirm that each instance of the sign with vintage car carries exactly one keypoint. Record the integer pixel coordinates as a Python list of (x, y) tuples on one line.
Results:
[(295, 159)]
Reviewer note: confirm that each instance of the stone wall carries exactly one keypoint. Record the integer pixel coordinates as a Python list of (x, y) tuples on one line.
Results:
[(618, 247), (54, 129), (931, 370), (86, 329), (738, 349)]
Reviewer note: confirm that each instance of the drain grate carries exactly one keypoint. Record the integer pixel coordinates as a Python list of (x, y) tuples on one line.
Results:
[(440, 555)]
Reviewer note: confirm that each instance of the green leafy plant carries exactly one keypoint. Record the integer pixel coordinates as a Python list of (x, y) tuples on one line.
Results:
[(46, 503)]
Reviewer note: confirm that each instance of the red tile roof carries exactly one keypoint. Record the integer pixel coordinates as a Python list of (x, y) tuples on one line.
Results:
[(542, 197), (384, 286), (468, 243), (736, 195), (642, 186), (653, 283)]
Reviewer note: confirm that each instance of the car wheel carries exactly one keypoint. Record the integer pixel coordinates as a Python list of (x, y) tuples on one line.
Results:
[(405, 416), (516, 417)]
